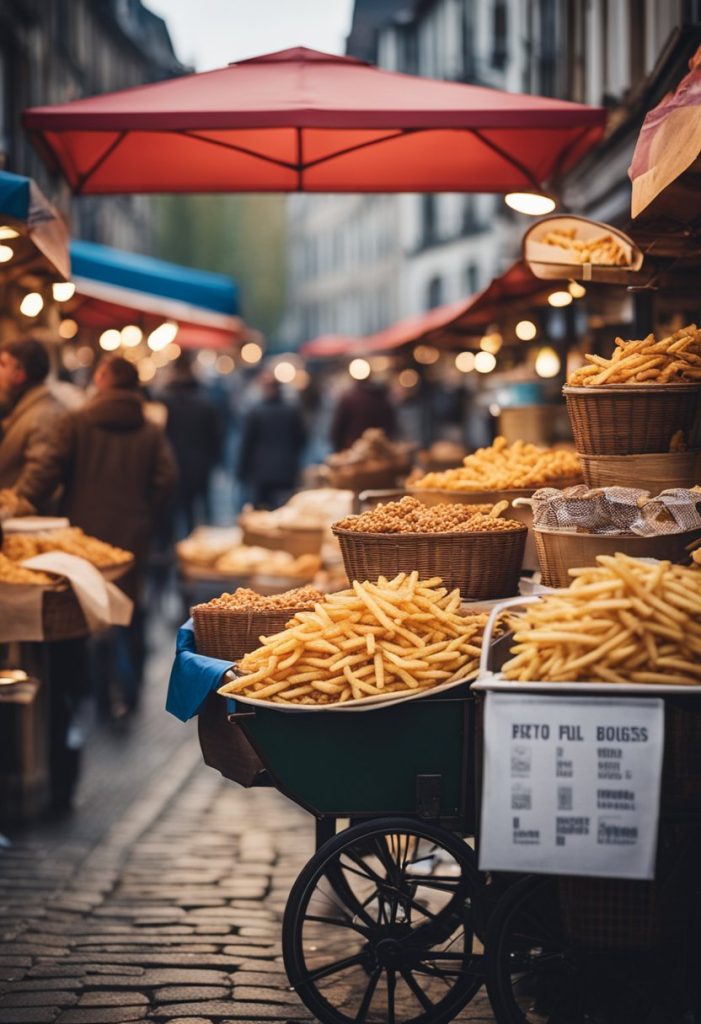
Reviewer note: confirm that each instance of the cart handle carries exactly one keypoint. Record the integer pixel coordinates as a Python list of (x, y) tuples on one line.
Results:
[(512, 602)]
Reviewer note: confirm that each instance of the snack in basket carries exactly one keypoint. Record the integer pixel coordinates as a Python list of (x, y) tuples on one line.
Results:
[(388, 638), (206, 544), (372, 449), (623, 621), (244, 599), (10, 572), (11, 505), (254, 560), (616, 510), (503, 467), (71, 539), (603, 250), (315, 508), (674, 359), (409, 515)]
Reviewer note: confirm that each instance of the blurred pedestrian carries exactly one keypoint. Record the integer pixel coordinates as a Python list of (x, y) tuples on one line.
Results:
[(195, 430), (29, 411), (272, 441), (117, 471), (365, 404)]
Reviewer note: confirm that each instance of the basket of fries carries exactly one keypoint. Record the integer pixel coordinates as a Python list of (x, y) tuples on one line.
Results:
[(635, 419), (230, 626), (569, 246), (560, 550), (658, 472)]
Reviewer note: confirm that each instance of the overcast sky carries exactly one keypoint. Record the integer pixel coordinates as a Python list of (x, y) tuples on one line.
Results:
[(211, 33)]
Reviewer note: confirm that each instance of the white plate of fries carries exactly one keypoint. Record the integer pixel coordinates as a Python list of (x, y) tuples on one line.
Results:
[(367, 646), (576, 247), (626, 625)]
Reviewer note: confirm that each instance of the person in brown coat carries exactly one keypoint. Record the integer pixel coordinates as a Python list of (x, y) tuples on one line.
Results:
[(30, 411), (116, 471)]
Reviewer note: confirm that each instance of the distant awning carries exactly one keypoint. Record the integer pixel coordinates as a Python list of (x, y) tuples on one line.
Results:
[(328, 345), (114, 288), (441, 325), (42, 236)]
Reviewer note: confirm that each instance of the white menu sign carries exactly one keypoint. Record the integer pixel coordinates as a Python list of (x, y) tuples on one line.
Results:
[(571, 785)]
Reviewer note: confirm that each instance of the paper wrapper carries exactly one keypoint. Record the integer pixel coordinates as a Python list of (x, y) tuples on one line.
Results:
[(612, 510), (102, 603)]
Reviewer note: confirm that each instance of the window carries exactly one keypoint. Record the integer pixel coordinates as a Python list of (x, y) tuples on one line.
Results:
[(434, 293), (499, 35), (470, 222), (429, 218), (471, 278)]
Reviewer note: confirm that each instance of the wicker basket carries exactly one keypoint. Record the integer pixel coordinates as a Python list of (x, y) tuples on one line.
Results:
[(357, 478), (62, 616), (229, 634), (304, 540), (654, 473), (558, 552), (483, 566), (637, 419)]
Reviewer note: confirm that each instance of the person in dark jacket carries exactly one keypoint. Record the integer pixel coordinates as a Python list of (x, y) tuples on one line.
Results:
[(194, 429), (116, 471), (272, 442), (364, 405)]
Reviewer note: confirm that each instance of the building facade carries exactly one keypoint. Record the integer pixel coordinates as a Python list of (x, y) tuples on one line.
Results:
[(443, 247), (53, 51)]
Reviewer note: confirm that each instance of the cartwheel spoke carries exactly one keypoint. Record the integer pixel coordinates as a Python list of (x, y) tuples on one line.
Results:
[(416, 989), (335, 968), (338, 922), (391, 986), (367, 998)]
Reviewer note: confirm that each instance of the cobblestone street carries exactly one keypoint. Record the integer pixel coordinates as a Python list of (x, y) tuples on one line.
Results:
[(161, 898)]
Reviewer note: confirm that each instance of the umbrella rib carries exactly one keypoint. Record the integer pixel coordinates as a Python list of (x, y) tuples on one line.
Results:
[(84, 178), (188, 133), (512, 161), (363, 145), (567, 150)]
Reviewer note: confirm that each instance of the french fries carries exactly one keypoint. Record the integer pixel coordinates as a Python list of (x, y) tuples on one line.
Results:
[(506, 467), (603, 250), (387, 638), (623, 621), (669, 360)]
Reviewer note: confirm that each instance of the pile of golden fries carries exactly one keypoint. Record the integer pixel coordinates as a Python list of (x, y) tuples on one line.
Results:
[(604, 250), (71, 539), (411, 516), (676, 358), (10, 572), (389, 638), (623, 621), (504, 467)]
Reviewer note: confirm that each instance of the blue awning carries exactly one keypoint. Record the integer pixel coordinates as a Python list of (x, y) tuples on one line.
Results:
[(131, 272), (43, 235)]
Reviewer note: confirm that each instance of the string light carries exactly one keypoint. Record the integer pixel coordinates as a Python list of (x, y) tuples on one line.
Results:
[(547, 363), (559, 299), (251, 352), (110, 340), (426, 355), (162, 336), (485, 362), (359, 369), (285, 372), (465, 362), (32, 304), (533, 204), (132, 336), (576, 290), (408, 378), (67, 329), (6, 253), (62, 291), (526, 330)]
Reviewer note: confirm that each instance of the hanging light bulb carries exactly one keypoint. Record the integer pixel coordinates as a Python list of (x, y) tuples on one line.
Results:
[(408, 379), (62, 291), (162, 336), (110, 340), (285, 372), (547, 362), (491, 342), (485, 362), (576, 290), (251, 352), (132, 335), (6, 253), (359, 369), (67, 329), (6, 232), (426, 355), (526, 330), (32, 304), (465, 362), (559, 299), (533, 204)]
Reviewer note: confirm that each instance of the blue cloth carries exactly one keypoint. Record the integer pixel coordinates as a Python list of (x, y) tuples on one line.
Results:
[(14, 196), (192, 677)]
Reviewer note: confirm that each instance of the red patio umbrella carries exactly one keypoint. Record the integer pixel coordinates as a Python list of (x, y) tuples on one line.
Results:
[(301, 120)]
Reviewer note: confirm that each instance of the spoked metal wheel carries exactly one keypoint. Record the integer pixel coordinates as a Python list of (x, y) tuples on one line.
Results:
[(379, 926), (536, 975)]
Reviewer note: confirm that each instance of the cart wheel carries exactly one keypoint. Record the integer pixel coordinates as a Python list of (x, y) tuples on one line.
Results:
[(536, 975), (379, 926)]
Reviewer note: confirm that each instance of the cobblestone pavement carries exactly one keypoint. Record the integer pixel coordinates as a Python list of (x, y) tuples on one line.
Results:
[(161, 900)]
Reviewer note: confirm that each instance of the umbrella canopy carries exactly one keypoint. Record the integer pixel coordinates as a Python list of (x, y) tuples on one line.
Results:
[(115, 288), (302, 120), (516, 286), (325, 346), (41, 242)]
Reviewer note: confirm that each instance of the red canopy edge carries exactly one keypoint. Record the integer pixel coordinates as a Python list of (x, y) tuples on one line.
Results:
[(328, 345), (515, 284), (302, 119)]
